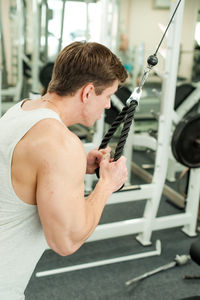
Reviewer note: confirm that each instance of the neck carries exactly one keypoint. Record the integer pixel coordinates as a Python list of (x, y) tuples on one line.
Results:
[(65, 106)]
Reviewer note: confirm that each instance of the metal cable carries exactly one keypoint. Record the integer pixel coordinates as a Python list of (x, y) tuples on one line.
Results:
[(168, 26)]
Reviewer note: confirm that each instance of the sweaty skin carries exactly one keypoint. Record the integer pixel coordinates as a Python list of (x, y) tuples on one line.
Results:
[(49, 166)]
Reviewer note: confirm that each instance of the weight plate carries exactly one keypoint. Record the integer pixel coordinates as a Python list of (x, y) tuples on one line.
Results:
[(182, 92), (186, 141)]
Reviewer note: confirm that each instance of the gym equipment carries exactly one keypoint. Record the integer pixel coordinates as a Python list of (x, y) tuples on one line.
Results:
[(151, 193), (192, 298), (187, 102), (186, 141), (182, 92), (195, 256), (45, 74), (38, 55), (157, 251), (0, 91), (1, 59), (123, 93), (128, 111), (125, 116), (195, 251), (12, 38), (168, 192), (191, 277), (178, 261)]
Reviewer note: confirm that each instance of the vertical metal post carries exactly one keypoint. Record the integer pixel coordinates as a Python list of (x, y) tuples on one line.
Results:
[(46, 31), (19, 83), (165, 120), (1, 58), (118, 8), (61, 27), (0, 92), (104, 21), (36, 47), (87, 33), (111, 17)]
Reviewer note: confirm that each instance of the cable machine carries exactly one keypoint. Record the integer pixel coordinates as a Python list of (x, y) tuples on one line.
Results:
[(152, 192)]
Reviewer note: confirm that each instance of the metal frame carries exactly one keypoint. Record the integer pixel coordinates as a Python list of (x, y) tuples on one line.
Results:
[(187, 104), (164, 122), (157, 251), (0, 86), (15, 91), (35, 61), (1, 58)]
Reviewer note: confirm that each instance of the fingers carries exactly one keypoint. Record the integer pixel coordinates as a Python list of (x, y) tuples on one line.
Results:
[(106, 150), (95, 157), (114, 171), (122, 158), (106, 156), (104, 153), (121, 162)]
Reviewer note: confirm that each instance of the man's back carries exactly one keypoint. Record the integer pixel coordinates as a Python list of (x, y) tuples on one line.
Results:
[(22, 240)]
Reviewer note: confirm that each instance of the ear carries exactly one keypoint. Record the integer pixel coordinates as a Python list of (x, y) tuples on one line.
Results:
[(86, 92)]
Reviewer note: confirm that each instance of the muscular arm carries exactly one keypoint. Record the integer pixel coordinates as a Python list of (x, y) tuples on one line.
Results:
[(68, 219)]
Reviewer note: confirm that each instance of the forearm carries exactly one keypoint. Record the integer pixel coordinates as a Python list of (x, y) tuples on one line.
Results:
[(68, 232), (95, 204), (87, 220), (96, 201)]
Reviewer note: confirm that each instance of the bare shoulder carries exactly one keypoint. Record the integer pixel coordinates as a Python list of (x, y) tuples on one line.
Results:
[(52, 132), (50, 139)]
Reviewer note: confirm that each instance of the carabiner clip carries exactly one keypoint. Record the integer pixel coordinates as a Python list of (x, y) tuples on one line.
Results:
[(135, 96)]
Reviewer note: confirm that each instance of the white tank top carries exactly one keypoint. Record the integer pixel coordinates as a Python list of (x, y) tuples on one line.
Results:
[(22, 241)]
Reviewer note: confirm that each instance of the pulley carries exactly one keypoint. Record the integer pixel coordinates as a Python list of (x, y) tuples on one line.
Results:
[(186, 141)]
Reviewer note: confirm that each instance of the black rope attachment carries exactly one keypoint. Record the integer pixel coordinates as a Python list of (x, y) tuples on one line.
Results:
[(126, 128), (126, 116)]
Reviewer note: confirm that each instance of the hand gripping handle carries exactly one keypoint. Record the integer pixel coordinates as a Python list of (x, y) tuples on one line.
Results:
[(97, 174)]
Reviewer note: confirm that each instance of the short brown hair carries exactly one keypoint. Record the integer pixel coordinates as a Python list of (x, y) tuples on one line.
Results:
[(80, 63)]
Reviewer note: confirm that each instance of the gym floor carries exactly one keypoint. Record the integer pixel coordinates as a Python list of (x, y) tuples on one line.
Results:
[(108, 282)]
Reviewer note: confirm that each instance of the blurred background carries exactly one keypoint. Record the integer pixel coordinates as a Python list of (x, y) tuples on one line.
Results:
[(34, 31)]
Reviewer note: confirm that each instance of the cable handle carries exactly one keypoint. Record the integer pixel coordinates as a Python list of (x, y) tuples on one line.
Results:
[(116, 123), (125, 130), (135, 96)]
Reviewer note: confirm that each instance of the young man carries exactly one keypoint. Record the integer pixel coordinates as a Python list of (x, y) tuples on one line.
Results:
[(43, 164)]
